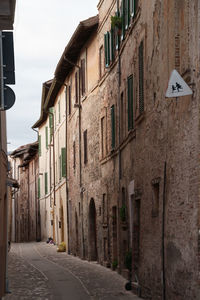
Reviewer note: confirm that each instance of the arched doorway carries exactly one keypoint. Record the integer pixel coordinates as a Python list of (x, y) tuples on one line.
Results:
[(92, 231)]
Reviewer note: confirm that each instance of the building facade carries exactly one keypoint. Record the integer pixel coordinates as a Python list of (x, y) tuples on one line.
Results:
[(122, 162), (7, 9), (26, 209)]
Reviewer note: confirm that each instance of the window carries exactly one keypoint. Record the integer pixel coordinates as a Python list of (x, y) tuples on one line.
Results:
[(141, 77), (51, 122), (63, 161), (155, 198), (109, 47), (46, 134), (83, 76), (60, 168), (38, 187), (74, 155), (76, 87), (39, 145), (46, 183), (113, 126), (101, 62), (69, 100), (103, 136), (130, 102), (85, 146)]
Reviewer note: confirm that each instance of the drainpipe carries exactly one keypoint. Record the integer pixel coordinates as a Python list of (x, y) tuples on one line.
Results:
[(36, 198), (54, 175), (66, 147)]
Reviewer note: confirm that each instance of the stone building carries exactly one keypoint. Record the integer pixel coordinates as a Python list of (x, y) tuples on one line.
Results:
[(26, 212), (150, 149), (7, 10), (132, 167)]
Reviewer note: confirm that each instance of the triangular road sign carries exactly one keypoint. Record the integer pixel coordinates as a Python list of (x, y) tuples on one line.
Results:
[(177, 87)]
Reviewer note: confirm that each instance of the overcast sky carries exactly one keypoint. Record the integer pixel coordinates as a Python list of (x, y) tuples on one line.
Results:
[(42, 29)]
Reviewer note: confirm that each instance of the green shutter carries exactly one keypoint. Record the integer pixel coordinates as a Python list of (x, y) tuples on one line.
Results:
[(108, 48), (105, 49), (51, 122), (132, 8), (113, 126), (63, 159), (38, 187), (127, 13), (39, 145), (60, 168), (130, 102), (123, 16), (112, 46), (46, 135), (46, 183), (141, 77)]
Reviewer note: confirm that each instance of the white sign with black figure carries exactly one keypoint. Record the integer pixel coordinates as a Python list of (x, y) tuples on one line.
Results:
[(177, 87)]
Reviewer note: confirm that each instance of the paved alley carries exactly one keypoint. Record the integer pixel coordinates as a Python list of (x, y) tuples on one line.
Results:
[(37, 271)]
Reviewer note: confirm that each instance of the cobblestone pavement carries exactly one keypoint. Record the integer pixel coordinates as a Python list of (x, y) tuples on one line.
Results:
[(37, 271)]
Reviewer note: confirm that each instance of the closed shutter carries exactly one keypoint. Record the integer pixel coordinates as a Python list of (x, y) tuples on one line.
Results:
[(46, 183), (63, 161), (46, 134), (69, 99), (141, 77), (83, 76), (130, 102), (113, 126), (112, 46), (107, 49), (85, 146), (51, 122), (123, 16), (39, 145)]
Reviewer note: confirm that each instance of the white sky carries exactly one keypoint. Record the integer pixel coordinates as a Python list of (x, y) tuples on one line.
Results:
[(42, 30)]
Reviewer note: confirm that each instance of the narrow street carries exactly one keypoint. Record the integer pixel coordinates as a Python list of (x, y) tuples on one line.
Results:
[(38, 271)]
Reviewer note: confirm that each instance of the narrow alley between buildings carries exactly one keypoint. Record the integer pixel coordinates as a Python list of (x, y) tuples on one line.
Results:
[(38, 271)]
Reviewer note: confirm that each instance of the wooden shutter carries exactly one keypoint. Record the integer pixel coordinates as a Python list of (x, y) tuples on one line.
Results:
[(69, 99), (112, 46), (51, 122), (39, 145), (59, 116), (63, 160), (141, 77), (113, 126), (76, 87), (123, 16), (130, 102), (83, 76), (46, 183), (107, 49), (46, 135)]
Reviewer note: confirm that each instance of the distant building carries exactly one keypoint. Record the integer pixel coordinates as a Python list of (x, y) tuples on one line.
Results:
[(26, 207), (7, 10)]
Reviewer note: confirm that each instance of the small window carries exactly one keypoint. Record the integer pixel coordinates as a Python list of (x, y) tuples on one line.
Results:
[(85, 146), (74, 155), (141, 77), (83, 77), (46, 135), (46, 182), (113, 126), (104, 209), (69, 100), (130, 102), (101, 62), (155, 197), (63, 161), (39, 145), (76, 87)]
